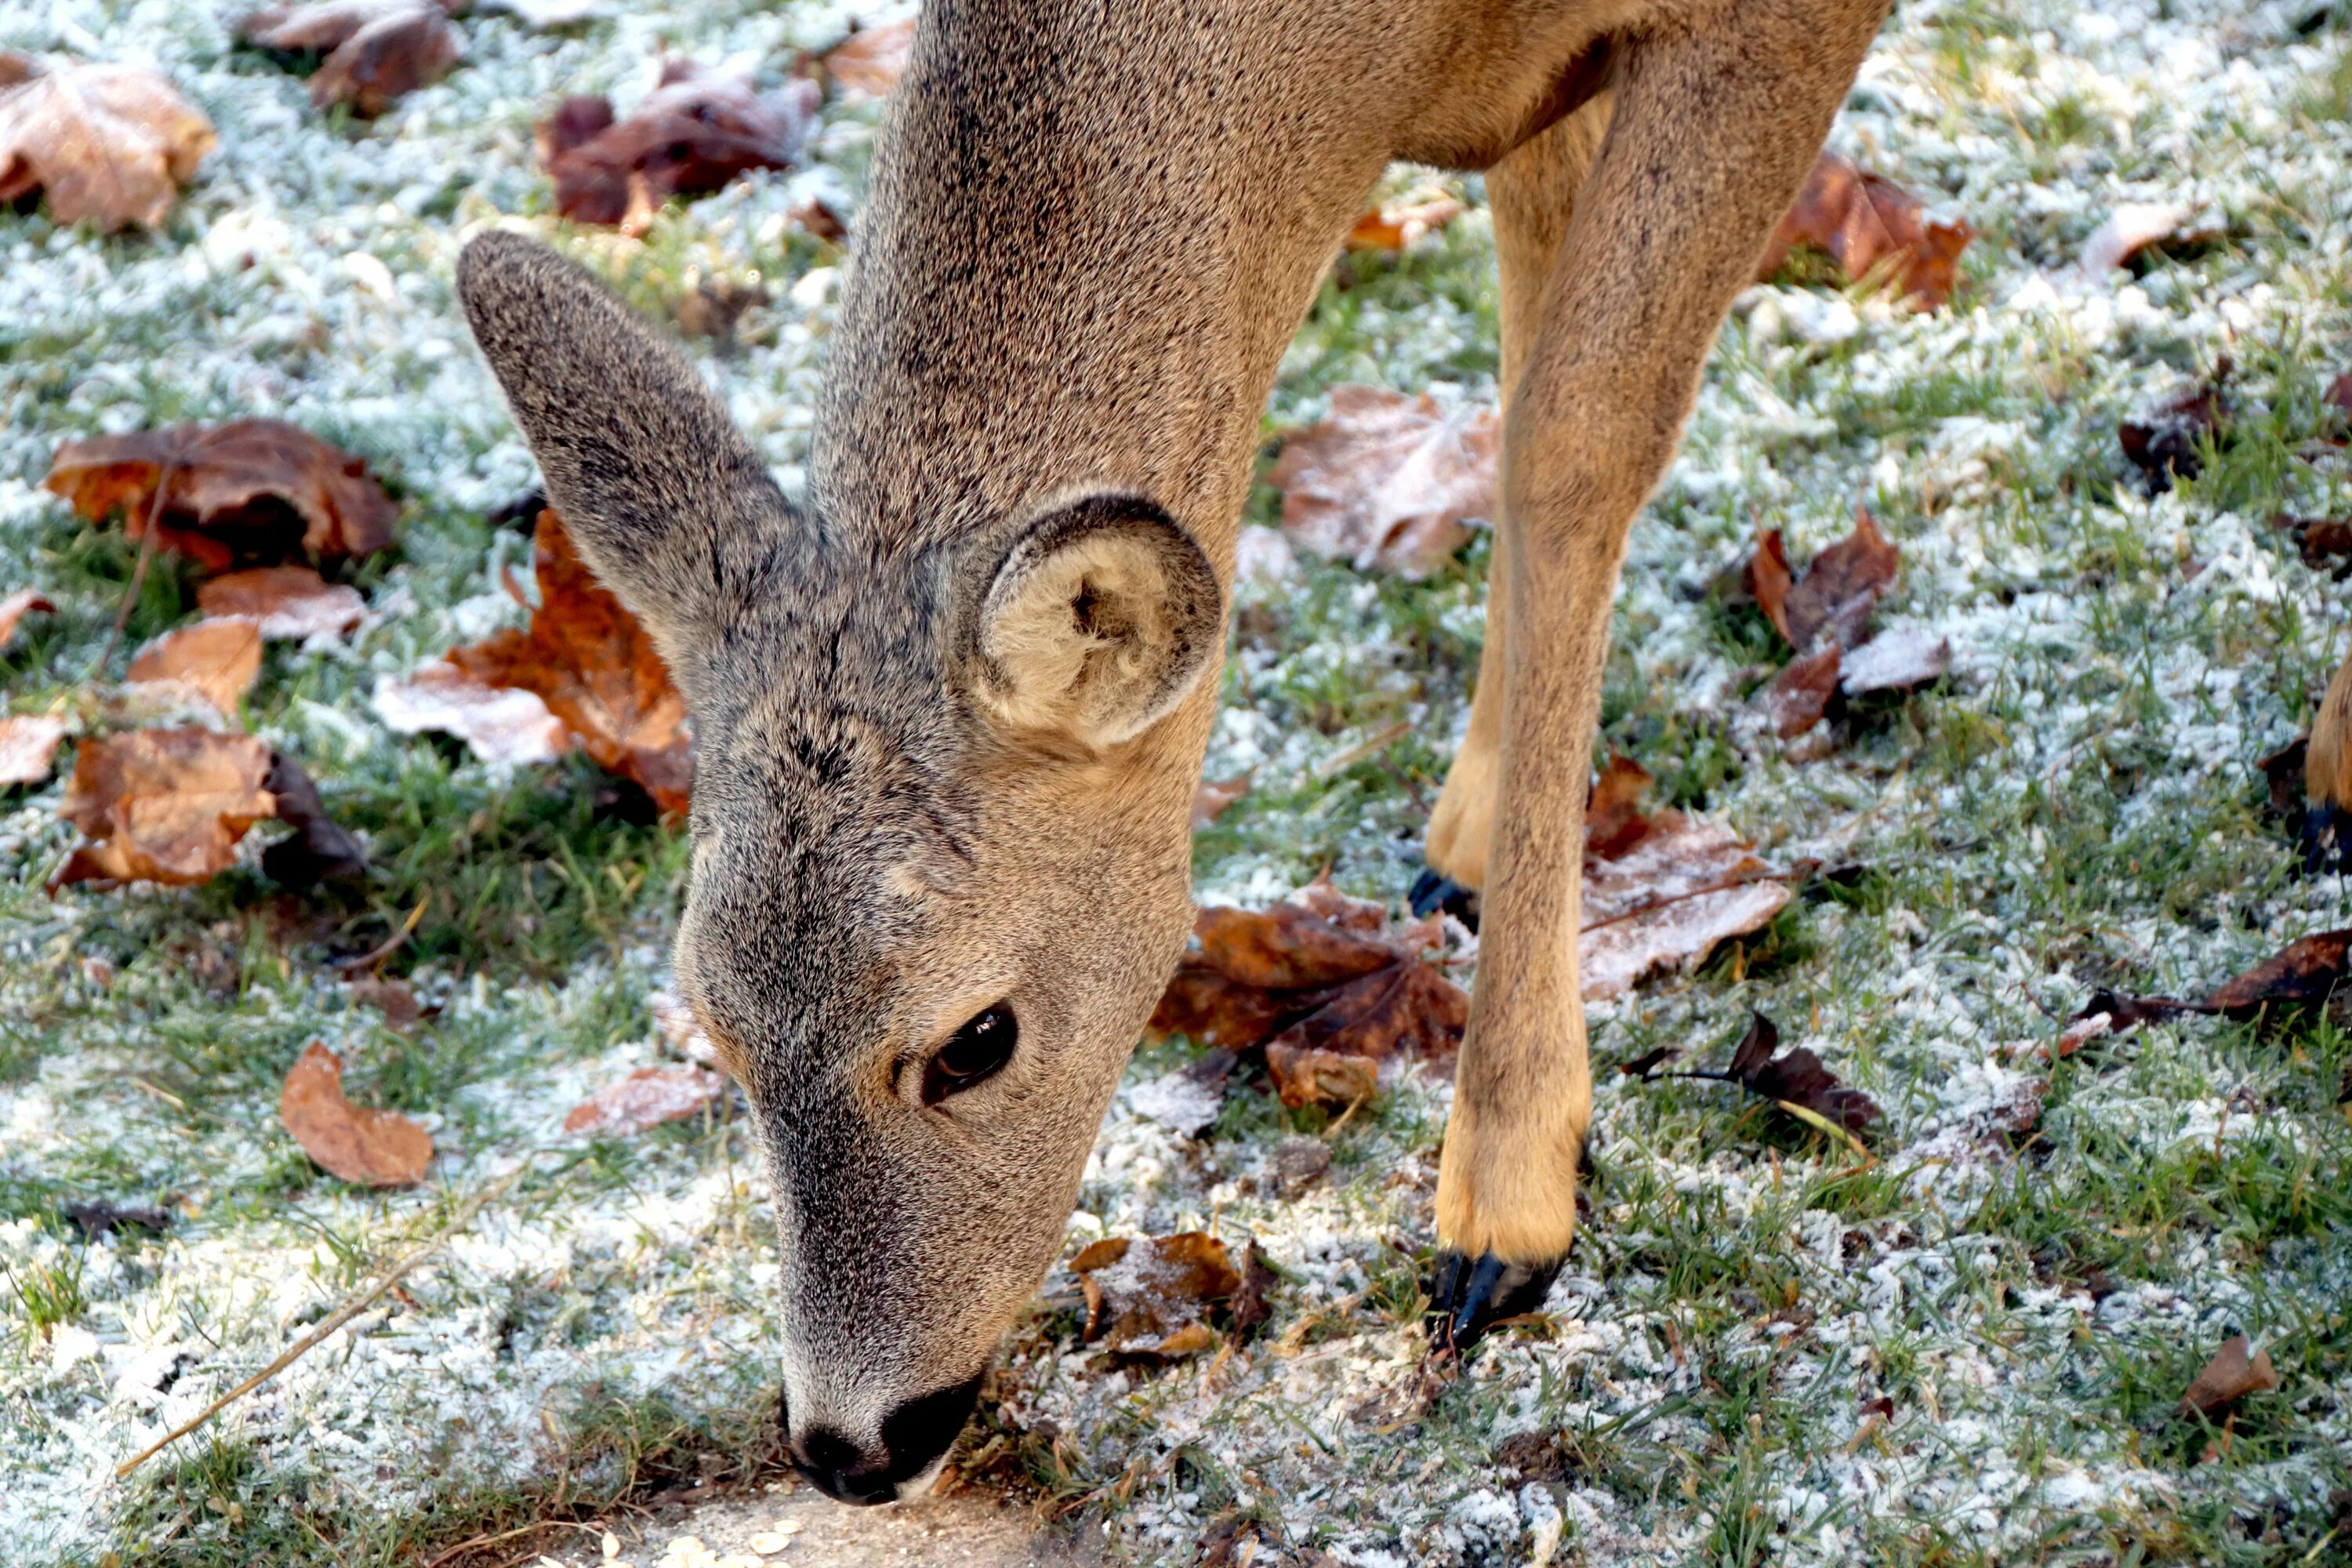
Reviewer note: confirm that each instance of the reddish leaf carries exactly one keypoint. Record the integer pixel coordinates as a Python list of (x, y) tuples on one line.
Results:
[(1613, 822), (646, 1098), (597, 670), (1839, 589), (689, 136), (288, 602), (392, 998), (251, 488), (1253, 1305), (501, 725), (371, 1148), (1304, 1076), (217, 660), (17, 606), (2170, 443), (165, 806), (1388, 481), (2236, 1369), (1770, 578), (1661, 891), (2339, 394), (1800, 695), (871, 59), (2324, 544), (377, 50), (319, 849), (27, 745), (107, 144), (1152, 1297), (1398, 227), (2306, 972), (1797, 1077), (1871, 228)]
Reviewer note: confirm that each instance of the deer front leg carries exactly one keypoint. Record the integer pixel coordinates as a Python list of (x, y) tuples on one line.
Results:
[(1712, 132), (2327, 778)]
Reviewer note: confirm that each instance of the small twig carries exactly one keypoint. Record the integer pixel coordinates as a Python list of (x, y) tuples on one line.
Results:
[(1725, 886), (138, 567), (531, 1529), (341, 1315), (390, 945), (1331, 767)]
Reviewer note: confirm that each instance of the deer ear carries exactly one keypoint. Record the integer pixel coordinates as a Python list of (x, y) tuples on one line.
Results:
[(1096, 622), (667, 502)]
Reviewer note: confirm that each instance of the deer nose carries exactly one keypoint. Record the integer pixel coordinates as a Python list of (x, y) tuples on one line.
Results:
[(841, 1469)]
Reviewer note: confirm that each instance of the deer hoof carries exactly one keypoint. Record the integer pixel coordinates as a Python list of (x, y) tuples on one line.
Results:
[(2326, 839), (1468, 1296), (1433, 892)]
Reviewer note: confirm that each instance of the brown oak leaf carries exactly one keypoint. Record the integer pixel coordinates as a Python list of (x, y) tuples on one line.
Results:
[(1797, 1077), (218, 660), (371, 1148), (165, 806), (377, 51), (871, 59), (250, 489), (320, 848), (1871, 228), (1389, 481), (2236, 1369), (646, 1098), (692, 134), (596, 668), (1152, 1296), (107, 144), (283, 602)]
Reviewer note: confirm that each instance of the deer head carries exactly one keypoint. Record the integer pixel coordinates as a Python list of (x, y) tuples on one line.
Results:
[(940, 867)]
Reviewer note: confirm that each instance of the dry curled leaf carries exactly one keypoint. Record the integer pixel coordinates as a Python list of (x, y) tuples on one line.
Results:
[(1834, 598), (508, 727), (377, 51), (1661, 891), (2169, 443), (1396, 228), (1871, 229), (283, 602), (371, 1148), (17, 606), (107, 144), (871, 59), (2306, 972), (1797, 1077), (2236, 1369), (646, 1098), (1799, 695), (692, 134), (1389, 481), (165, 806), (251, 488), (596, 668), (29, 742), (218, 660), (320, 849), (1153, 1296)]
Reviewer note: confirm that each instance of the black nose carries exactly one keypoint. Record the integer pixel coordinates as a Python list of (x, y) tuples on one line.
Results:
[(913, 1436)]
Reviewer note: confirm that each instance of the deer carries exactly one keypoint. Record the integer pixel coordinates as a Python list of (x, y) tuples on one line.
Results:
[(952, 699)]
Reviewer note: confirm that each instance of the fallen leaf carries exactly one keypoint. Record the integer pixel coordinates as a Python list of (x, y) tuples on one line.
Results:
[(589, 660), (17, 606), (392, 998), (165, 806), (1649, 1061), (2170, 443), (2236, 1369), (319, 849), (2324, 544), (2108, 1012), (646, 1098), (1661, 891), (817, 216), (1870, 227), (218, 661), (499, 725), (1211, 797), (2339, 394), (104, 1216), (107, 144), (377, 51), (1331, 1056), (1299, 1161), (1894, 661), (370, 1148), (2135, 227), (2284, 773), (1153, 1296), (1797, 1077), (871, 59), (1799, 695), (1388, 481), (251, 488), (1253, 1304), (692, 134), (1189, 1099), (283, 602), (1398, 227), (27, 745), (2306, 972), (1841, 587)]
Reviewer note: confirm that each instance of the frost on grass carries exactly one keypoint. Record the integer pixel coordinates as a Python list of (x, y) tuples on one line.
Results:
[(1973, 1344)]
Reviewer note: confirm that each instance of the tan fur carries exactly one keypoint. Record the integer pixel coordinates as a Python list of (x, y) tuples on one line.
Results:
[(2327, 763), (950, 712)]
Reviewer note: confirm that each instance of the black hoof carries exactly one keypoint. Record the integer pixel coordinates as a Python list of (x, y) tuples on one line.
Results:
[(2327, 837), (1466, 1299), (1432, 893)]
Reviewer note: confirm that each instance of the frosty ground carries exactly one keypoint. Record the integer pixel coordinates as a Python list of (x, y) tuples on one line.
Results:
[(1967, 1346)]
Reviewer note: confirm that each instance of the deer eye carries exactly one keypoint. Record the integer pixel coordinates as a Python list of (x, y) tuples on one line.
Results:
[(977, 1050)]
